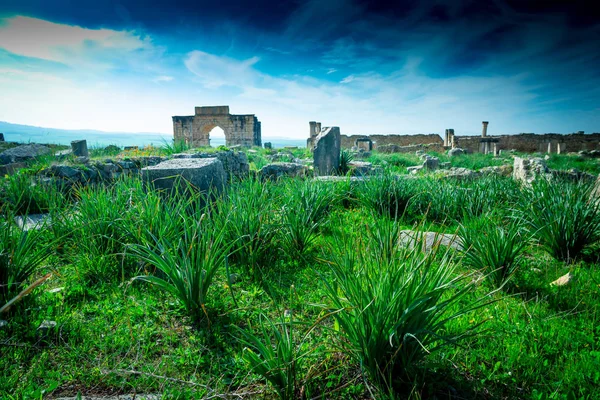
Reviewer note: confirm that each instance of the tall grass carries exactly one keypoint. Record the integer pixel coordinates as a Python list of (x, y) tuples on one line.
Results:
[(391, 309), (248, 213), (386, 194), (493, 248), (562, 216), (21, 254), (189, 263), (276, 354), (20, 194)]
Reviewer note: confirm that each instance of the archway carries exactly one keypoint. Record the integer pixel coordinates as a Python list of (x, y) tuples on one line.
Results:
[(216, 137)]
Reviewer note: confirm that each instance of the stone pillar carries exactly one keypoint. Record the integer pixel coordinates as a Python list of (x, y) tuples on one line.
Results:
[(79, 148), (495, 149), (447, 138), (549, 147), (318, 129), (327, 152), (451, 137), (1, 137), (313, 127), (560, 148), (452, 141), (484, 131)]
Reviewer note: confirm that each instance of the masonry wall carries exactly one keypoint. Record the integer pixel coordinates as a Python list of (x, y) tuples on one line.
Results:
[(534, 143), (399, 140)]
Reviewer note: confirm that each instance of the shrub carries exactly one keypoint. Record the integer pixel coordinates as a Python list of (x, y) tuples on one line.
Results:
[(392, 309), (562, 216), (189, 263), (493, 248), (275, 355)]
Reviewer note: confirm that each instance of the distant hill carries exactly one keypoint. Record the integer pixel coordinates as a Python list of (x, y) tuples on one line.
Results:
[(37, 134)]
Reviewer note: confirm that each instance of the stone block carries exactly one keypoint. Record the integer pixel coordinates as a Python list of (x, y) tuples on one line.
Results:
[(278, 170), (23, 153), (205, 174), (11, 168), (326, 154), (268, 145), (455, 152), (79, 148)]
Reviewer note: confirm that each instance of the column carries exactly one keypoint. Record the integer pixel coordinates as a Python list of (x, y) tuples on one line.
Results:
[(484, 131)]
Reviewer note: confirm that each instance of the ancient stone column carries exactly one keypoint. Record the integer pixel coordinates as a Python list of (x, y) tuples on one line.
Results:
[(447, 138), (313, 128), (484, 131), (495, 149), (327, 151), (79, 148), (560, 148), (451, 137), (549, 147)]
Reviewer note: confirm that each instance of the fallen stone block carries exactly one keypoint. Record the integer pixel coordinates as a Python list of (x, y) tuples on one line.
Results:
[(205, 174), (277, 170)]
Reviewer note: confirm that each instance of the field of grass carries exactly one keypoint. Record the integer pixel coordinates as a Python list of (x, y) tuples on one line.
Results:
[(302, 289)]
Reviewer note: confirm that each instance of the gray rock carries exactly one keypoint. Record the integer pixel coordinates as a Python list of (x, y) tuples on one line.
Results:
[(206, 174), (9, 169), (47, 325), (23, 153), (455, 152), (414, 169), (429, 240), (460, 173), (278, 170), (527, 170), (360, 168), (326, 154), (32, 221), (82, 160), (431, 163), (79, 148), (65, 171)]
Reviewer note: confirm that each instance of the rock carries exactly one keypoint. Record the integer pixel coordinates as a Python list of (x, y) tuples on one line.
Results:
[(47, 325), (278, 170), (23, 153), (455, 152), (431, 163), (460, 173), (502, 170), (414, 169), (81, 160), (79, 148), (429, 240), (268, 145), (65, 171), (360, 168), (1, 137), (32, 221), (527, 170), (63, 154), (204, 173), (326, 154), (12, 168), (563, 280)]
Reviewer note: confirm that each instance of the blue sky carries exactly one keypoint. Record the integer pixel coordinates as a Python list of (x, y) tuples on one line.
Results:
[(414, 67)]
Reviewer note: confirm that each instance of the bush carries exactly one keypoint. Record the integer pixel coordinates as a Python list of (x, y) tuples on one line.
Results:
[(493, 248), (562, 216), (391, 304)]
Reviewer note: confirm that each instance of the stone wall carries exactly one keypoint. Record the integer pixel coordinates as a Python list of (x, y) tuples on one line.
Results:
[(398, 140), (534, 143), (244, 130)]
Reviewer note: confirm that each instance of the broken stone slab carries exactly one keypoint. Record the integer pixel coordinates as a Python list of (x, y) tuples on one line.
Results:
[(277, 170), (326, 154), (361, 168), (460, 173), (457, 151), (23, 153), (12, 168), (65, 171), (429, 240), (32, 221), (414, 169), (79, 148), (431, 163), (563, 280), (205, 174), (527, 170)]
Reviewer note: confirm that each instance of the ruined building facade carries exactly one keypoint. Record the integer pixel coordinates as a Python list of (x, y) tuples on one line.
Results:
[(195, 129)]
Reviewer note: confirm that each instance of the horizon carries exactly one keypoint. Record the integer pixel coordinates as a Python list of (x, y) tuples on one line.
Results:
[(369, 68)]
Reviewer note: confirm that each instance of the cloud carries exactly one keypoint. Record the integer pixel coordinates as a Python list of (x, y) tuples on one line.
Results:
[(214, 71), (163, 78), (67, 44)]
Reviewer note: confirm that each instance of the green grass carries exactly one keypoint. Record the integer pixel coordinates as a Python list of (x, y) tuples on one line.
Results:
[(296, 289)]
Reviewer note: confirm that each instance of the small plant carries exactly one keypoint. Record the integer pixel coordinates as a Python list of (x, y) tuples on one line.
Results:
[(188, 263), (21, 254), (275, 355), (345, 158), (562, 216), (392, 309), (387, 195), (493, 248)]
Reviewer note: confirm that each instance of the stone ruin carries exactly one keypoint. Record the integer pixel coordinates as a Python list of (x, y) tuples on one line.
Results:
[(326, 151), (243, 130), (315, 129)]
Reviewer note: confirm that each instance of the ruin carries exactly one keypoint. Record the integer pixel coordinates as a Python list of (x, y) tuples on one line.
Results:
[(315, 129), (194, 130)]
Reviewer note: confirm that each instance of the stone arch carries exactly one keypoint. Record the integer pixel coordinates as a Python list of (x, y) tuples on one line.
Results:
[(209, 128)]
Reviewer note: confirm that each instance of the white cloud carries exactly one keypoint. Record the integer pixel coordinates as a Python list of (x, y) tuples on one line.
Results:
[(214, 71), (163, 78), (67, 44)]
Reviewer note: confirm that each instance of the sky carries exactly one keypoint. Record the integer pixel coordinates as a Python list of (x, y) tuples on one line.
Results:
[(367, 67)]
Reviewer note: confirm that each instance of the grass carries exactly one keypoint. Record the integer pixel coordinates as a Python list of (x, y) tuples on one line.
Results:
[(299, 289)]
